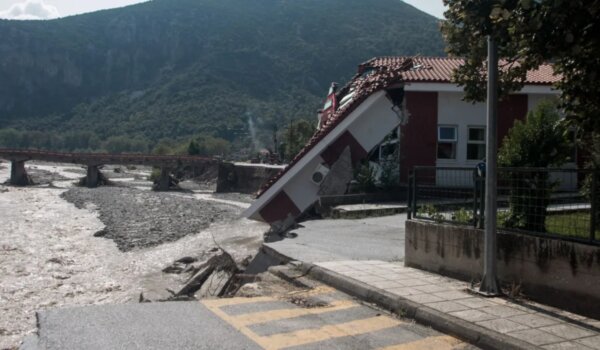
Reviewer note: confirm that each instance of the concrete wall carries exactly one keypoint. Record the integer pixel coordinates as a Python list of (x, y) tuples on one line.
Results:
[(244, 178), (552, 271)]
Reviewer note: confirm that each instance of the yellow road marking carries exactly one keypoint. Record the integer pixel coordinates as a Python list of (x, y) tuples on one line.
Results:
[(235, 301), (242, 300), (267, 316), (444, 342), (307, 336), (231, 320)]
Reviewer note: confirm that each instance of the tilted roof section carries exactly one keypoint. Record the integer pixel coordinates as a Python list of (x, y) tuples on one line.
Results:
[(369, 80), (440, 69)]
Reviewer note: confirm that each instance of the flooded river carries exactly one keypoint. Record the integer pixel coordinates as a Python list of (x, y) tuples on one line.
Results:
[(50, 258)]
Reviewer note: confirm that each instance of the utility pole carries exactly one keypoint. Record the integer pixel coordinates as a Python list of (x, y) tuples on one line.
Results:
[(489, 284)]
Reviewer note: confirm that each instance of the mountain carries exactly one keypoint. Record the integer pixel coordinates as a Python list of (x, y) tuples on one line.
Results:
[(176, 68)]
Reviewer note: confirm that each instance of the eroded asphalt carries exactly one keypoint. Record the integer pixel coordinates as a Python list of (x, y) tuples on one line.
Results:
[(318, 317)]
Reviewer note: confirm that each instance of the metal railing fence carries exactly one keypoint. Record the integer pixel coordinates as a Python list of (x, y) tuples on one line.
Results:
[(561, 203)]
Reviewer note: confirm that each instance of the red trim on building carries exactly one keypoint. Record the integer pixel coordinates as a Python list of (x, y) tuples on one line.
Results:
[(512, 108), (279, 208), (333, 152), (419, 137)]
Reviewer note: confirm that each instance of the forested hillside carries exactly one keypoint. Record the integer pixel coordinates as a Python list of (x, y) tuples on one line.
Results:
[(126, 78)]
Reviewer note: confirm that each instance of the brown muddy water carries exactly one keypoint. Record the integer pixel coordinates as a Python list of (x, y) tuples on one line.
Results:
[(50, 258)]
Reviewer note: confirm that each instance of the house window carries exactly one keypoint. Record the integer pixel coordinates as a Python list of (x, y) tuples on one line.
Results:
[(476, 143), (447, 137)]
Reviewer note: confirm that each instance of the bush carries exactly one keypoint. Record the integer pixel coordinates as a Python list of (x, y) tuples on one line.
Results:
[(431, 212), (539, 142), (365, 177), (463, 216)]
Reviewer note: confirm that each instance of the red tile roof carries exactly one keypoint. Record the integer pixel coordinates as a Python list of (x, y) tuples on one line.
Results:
[(440, 69), (382, 72)]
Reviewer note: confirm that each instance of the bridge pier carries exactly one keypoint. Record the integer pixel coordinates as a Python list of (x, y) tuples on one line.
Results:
[(92, 178), (164, 181), (18, 174)]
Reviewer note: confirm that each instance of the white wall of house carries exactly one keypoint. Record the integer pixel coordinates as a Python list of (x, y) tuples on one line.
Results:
[(453, 111), (301, 189), (379, 121)]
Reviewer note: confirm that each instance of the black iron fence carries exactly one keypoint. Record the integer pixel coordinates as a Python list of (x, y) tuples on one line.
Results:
[(562, 203)]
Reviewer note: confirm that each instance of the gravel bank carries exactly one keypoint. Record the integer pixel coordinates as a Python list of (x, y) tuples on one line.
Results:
[(140, 219)]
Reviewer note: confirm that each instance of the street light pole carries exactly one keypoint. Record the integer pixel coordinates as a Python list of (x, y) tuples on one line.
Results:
[(489, 284)]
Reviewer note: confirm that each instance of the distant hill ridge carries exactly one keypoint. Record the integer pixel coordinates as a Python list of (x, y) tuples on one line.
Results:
[(172, 68)]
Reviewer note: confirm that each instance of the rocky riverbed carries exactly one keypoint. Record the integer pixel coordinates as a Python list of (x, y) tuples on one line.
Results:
[(136, 218), (50, 256)]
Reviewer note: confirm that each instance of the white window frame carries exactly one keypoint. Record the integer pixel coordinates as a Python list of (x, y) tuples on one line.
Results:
[(453, 141), (475, 142)]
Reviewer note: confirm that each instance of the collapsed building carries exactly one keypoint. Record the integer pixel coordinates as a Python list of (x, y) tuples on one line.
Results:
[(393, 105)]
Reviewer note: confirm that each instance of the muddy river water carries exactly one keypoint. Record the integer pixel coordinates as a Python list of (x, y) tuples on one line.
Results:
[(50, 258)]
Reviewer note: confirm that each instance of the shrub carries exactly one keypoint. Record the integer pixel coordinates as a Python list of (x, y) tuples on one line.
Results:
[(539, 142)]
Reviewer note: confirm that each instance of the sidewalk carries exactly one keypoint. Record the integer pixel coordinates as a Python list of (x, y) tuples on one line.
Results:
[(446, 305)]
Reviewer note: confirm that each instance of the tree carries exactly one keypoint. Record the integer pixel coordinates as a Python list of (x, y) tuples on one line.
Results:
[(529, 33), (296, 136), (10, 138), (539, 142), (125, 144), (212, 146), (193, 148), (164, 147)]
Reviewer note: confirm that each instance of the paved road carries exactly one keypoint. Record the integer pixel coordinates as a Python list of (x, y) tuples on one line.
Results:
[(379, 238), (320, 318), (152, 326)]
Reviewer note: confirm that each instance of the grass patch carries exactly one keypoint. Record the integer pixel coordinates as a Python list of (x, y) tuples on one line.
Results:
[(576, 224)]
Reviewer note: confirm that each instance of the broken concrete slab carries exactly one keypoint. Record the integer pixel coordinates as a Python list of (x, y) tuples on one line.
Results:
[(340, 174), (211, 278), (215, 285), (196, 282)]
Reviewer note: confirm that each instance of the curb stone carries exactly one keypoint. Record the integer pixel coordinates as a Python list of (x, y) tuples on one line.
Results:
[(474, 334), (469, 332), (286, 274)]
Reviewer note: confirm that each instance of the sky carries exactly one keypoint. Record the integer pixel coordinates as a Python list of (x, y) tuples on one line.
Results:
[(433, 7), (49, 9)]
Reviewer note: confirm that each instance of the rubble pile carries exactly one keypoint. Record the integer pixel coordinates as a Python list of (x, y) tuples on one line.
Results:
[(209, 277)]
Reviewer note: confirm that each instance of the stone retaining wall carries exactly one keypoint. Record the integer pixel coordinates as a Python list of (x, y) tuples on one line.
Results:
[(557, 272)]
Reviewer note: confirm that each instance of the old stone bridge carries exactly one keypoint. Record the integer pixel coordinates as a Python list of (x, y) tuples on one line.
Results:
[(19, 177)]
